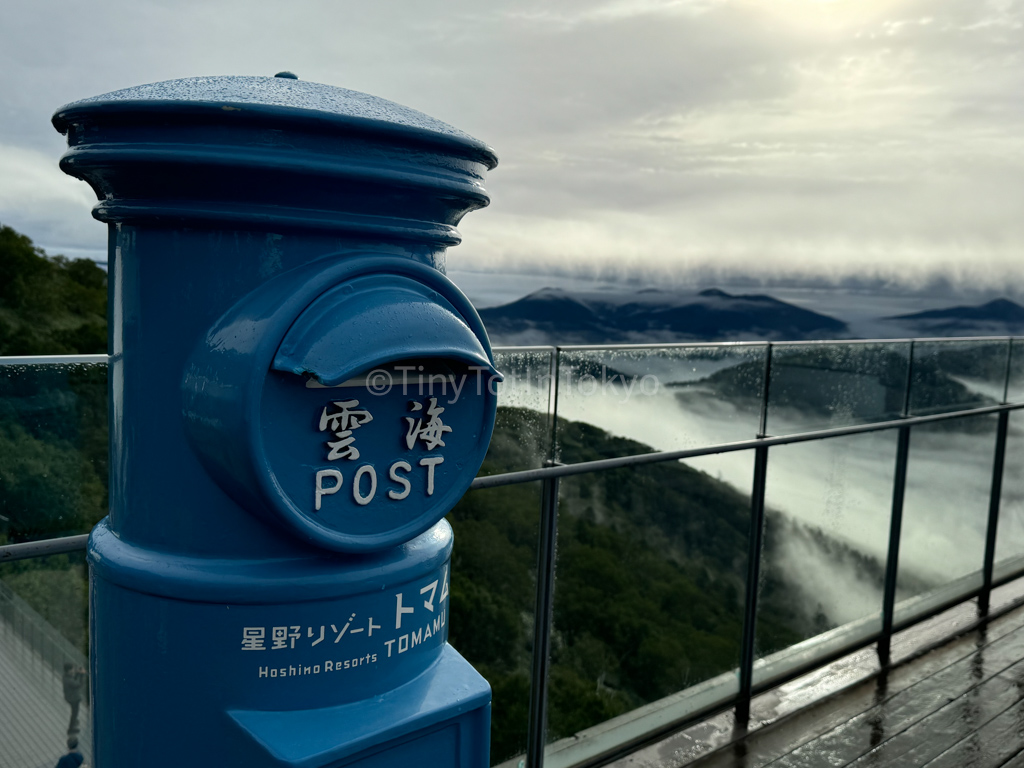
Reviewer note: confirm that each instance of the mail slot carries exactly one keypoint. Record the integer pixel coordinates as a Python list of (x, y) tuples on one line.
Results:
[(298, 395)]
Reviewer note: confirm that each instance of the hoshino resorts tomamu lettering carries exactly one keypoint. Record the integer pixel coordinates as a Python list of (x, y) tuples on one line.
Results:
[(357, 639)]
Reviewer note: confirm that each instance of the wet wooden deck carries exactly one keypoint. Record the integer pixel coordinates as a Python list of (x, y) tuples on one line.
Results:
[(960, 705)]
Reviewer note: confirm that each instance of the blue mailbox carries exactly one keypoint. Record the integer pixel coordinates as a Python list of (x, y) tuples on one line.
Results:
[(298, 396)]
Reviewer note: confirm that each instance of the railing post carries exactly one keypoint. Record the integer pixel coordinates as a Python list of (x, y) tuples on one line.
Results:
[(536, 738), (892, 561), (755, 540), (538, 724), (1009, 372), (996, 493), (984, 599), (556, 354), (762, 426)]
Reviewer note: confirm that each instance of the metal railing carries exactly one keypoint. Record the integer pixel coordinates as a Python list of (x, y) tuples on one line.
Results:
[(656, 719), (631, 729)]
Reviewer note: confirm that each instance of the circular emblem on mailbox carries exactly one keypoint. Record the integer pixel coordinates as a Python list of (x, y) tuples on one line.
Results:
[(366, 414)]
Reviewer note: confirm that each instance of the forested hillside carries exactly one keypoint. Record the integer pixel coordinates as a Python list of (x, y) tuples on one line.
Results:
[(649, 581), (49, 305)]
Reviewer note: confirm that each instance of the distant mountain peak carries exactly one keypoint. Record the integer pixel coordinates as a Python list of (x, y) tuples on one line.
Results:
[(541, 293), (1000, 310), (715, 292), (1000, 305)]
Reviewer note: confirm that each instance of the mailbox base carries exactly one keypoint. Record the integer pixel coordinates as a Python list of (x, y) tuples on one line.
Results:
[(444, 713), (318, 663)]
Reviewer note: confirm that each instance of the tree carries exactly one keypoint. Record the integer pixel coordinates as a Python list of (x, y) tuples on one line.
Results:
[(49, 305)]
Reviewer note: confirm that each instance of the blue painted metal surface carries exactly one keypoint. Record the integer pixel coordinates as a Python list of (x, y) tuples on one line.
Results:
[(298, 396)]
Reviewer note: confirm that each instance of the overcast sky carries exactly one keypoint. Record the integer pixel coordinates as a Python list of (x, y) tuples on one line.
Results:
[(805, 137)]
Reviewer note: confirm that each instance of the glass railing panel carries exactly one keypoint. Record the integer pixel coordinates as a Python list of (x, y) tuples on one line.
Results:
[(667, 398), (660, 716), (827, 507), (649, 593), (1015, 385), (493, 596), (806, 655), (522, 429), (1010, 532), (927, 604), (945, 507), (833, 384), (53, 449), (952, 375), (43, 635), (528, 377)]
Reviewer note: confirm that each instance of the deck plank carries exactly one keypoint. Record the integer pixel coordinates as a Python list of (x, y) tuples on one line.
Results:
[(990, 746), (942, 730), (1017, 761), (866, 731), (918, 712), (765, 745)]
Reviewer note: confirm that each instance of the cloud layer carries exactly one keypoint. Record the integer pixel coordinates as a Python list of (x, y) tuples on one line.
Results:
[(803, 137)]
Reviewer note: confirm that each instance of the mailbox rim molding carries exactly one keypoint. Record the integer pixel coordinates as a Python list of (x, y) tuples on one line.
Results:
[(225, 378), (261, 581)]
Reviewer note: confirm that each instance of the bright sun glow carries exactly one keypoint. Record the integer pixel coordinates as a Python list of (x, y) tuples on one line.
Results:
[(834, 15)]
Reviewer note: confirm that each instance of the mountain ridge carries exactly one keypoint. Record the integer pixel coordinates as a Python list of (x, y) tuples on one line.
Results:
[(1001, 310), (998, 316), (654, 314)]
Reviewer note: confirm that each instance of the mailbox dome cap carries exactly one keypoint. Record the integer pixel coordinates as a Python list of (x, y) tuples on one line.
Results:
[(252, 96), (274, 154)]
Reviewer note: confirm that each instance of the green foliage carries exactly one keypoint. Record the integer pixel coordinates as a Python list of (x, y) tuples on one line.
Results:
[(631, 624), (57, 588), (49, 305), (681, 512), (53, 450), (42, 492)]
